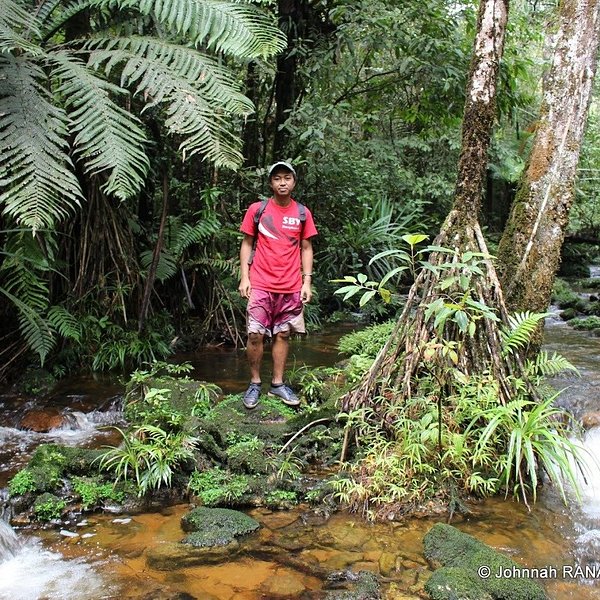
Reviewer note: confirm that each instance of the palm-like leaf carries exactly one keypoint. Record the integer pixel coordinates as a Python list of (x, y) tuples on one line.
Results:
[(107, 137), (37, 184)]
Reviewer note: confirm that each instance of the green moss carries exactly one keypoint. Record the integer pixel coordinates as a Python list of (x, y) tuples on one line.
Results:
[(447, 546), (268, 421), (454, 583), (216, 526), (585, 323), (247, 456), (364, 585), (563, 295), (48, 507)]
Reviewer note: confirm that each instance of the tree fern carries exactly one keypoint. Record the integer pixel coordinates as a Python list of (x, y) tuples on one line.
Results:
[(16, 29), (108, 138), (190, 114), (239, 28), (37, 183), (216, 84), (36, 331), (166, 267), (521, 327)]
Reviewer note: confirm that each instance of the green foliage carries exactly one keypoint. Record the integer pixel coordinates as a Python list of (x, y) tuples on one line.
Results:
[(533, 435), (281, 499), (366, 342), (22, 482), (148, 456), (585, 323), (92, 491), (154, 408), (204, 398), (40, 183), (217, 487), (48, 507), (453, 431), (247, 454)]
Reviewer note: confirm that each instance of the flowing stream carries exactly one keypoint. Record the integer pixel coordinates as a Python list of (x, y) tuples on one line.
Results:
[(105, 557)]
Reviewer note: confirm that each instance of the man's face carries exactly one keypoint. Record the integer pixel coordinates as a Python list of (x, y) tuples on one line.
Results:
[(282, 182)]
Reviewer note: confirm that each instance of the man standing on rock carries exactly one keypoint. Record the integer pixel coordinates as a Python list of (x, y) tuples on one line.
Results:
[(276, 261)]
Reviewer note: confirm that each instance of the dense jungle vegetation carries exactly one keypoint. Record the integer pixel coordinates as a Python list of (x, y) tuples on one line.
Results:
[(135, 134)]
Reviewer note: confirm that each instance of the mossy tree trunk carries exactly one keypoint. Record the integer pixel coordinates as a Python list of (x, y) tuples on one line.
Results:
[(529, 251), (409, 349)]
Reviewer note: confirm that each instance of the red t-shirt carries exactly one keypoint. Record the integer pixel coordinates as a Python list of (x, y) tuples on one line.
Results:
[(277, 265)]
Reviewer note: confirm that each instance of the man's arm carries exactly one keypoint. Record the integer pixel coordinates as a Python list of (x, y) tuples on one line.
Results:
[(307, 269), (245, 252)]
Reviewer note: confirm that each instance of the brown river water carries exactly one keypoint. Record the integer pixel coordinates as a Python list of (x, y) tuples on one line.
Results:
[(112, 556)]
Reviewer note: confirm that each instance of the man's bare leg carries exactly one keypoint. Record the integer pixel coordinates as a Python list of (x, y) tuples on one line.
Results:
[(254, 354), (279, 352)]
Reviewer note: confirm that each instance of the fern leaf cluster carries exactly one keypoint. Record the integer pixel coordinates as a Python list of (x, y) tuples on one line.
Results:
[(107, 137), (37, 183), (50, 96), (521, 327), (232, 28)]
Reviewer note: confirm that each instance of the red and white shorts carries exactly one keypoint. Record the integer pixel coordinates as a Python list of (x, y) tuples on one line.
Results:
[(270, 313)]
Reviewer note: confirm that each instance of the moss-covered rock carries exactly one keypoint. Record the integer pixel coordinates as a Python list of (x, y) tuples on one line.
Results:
[(172, 557), (268, 421), (454, 583), (48, 507), (585, 323), (362, 585), (209, 527), (464, 556)]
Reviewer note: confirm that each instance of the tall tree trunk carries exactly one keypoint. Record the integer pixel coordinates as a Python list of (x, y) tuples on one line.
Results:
[(285, 81), (408, 351), (251, 135), (151, 277), (529, 251)]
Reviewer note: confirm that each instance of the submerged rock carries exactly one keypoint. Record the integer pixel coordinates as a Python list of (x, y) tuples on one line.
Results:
[(210, 527), (468, 568)]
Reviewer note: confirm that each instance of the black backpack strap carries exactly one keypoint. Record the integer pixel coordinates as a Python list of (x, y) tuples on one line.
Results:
[(257, 216)]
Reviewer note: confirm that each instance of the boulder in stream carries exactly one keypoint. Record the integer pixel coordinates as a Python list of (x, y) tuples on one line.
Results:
[(209, 527), (468, 569)]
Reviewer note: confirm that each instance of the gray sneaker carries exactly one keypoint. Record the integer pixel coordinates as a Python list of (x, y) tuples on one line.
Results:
[(285, 393), (251, 395)]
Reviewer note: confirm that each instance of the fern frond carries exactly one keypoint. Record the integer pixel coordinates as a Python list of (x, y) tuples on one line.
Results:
[(230, 265), (17, 27), (216, 84), (236, 28), (189, 114), (166, 267), (521, 327), (66, 324), (37, 183), (36, 331), (108, 138), (545, 365), (186, 235)]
